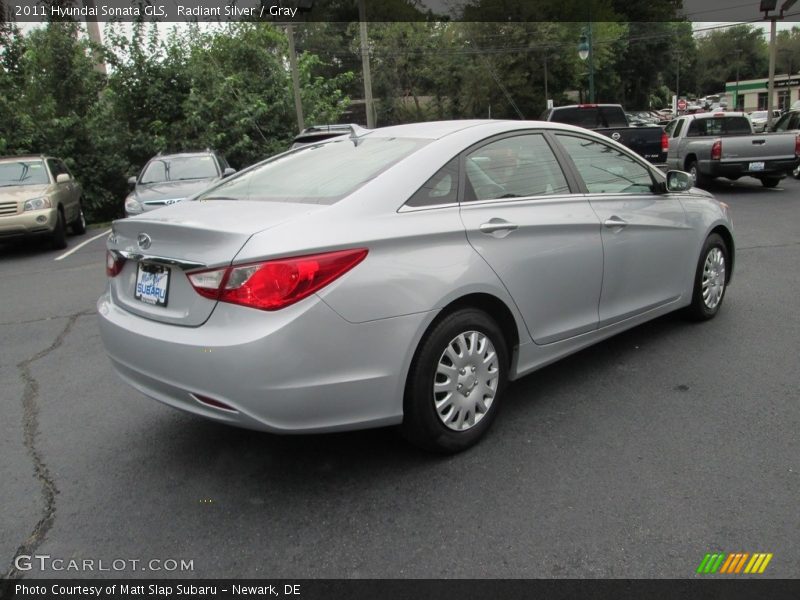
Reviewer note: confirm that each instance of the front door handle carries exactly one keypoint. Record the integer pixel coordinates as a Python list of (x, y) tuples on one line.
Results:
[(615, 221), (495, 225)]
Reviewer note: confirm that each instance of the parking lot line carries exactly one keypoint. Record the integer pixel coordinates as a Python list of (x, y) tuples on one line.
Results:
[(81, 245)]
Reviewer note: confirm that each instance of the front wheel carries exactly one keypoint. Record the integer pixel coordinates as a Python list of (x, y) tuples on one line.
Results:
[(455, 382), (710, 279), (58, 239)]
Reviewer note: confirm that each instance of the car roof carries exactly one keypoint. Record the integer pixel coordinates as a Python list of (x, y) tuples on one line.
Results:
[(25, 157), (183, 154), (435, 130)]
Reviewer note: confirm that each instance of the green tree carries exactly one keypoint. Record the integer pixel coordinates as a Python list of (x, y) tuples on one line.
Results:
[(720, 51)]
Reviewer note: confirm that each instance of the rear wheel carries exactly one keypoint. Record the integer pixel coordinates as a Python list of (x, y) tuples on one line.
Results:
[(710, 279), (78, 226), (698, 178), (58, 239), (455, 382), (770, 182)]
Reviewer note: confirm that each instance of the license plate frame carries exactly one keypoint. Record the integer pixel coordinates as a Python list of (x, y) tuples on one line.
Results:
[(756, 166), (152, 284)]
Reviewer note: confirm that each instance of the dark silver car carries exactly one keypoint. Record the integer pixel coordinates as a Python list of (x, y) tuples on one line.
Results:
[(170, 178), (403, 276)]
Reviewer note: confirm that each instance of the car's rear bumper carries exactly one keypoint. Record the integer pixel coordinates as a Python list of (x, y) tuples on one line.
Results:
[(772, 168), (30, 223), (299, 370)]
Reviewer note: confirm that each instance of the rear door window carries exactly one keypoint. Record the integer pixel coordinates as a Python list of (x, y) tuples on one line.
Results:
[(514, 167)]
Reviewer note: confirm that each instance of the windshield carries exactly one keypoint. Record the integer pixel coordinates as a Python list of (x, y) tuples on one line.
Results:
[(23, 172), (180, 168), (316, 174)]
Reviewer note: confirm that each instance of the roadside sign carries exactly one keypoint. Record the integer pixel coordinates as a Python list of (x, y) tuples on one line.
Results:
[(681, 104)]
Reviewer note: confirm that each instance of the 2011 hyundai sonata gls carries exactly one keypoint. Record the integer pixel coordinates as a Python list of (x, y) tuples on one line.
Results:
[(404, 275)]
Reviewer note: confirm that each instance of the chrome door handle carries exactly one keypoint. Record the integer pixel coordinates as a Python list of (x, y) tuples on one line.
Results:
[(615, 222), (495, 225)]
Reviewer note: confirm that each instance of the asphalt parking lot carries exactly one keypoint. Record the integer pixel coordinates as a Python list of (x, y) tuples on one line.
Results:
[(633, 458)]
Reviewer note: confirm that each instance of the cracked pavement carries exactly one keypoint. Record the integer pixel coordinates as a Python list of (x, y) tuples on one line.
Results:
[(630, 459)]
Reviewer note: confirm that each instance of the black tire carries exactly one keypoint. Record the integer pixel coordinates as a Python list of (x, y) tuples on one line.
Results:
[(770, 182), (699, 179), (78, 226), (422, 424), (58, 239), (699, 310)]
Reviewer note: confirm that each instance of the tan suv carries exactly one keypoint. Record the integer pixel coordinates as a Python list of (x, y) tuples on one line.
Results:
[(39, 197)]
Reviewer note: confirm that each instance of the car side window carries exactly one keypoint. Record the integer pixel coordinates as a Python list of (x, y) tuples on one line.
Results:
[(442, 188), (670, 128), (62, 168), (678, 128), (55, 167), (604, 169), (514, 167)]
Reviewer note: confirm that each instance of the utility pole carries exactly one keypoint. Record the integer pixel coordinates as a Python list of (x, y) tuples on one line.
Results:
[(546, 96), (298, 102), (362, 21), (736, 94), (93, 29), (771, 87)]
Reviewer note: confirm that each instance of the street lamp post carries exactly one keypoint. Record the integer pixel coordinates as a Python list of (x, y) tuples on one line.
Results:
[(585, 51)]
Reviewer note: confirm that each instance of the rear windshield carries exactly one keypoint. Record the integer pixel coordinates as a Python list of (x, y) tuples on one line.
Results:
[(719, 126), (23, 172), (179, 168), (316, 174)]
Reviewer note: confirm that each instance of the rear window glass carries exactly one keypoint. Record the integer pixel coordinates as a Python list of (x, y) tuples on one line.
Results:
[(317, 174), (589, 118), (719, 126)]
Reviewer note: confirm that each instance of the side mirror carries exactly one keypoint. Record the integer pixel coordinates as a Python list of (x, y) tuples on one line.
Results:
[(228, 171), (63, 178), (132, 182), (679, 181)]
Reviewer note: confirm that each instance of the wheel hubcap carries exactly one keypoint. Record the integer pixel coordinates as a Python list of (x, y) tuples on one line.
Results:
[(466, 380), (713, 278)]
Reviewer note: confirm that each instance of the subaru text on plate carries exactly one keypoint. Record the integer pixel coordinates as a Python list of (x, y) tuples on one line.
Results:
[(404, 275)]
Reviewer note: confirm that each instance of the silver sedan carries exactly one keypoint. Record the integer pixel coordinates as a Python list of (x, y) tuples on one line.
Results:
[(404, 275)]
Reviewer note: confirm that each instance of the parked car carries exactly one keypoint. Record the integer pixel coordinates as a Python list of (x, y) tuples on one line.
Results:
[(39, 197), (320, 133), (789, 121), (610, 120), (170, 178), (759, 120), (404, 276), (722, 144)]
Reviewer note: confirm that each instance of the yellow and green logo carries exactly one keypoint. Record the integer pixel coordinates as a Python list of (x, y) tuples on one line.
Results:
[(734, 563)]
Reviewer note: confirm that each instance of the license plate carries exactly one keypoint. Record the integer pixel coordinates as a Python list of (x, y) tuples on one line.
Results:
[(152, 284), (756, 166)]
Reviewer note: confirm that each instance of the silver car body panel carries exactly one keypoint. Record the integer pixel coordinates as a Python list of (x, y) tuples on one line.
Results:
[(339, 359)]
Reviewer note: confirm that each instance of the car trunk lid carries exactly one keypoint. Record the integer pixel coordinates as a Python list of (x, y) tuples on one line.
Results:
[(161, 247)]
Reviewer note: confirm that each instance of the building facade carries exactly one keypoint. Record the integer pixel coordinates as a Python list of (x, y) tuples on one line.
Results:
[(754, 93)]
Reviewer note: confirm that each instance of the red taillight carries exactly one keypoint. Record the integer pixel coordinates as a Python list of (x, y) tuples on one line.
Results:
[(275, 284), (114, 263), (716, 150), (797, 146), (664, 142), (213, 403)]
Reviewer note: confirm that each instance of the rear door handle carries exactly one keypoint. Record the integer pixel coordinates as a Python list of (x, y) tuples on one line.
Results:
[(615, 221), (495, 225), (759, 142)]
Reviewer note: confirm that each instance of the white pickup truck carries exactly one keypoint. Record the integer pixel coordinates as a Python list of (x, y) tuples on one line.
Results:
[(722, 144)]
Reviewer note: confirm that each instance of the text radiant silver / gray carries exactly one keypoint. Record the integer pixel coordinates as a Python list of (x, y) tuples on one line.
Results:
[(404, 275)]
